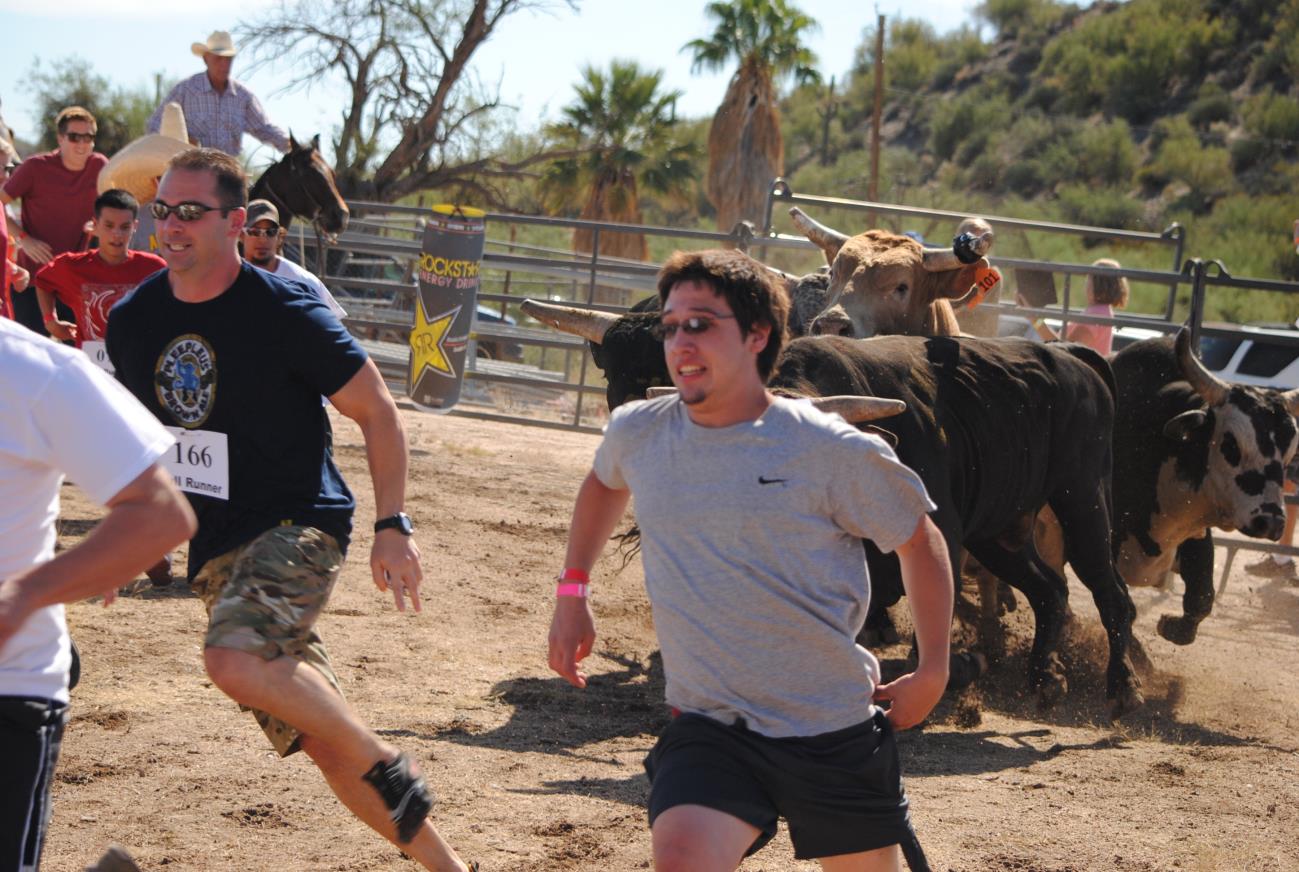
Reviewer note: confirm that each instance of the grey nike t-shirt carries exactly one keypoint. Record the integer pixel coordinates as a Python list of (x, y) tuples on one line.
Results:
[(753, 560)]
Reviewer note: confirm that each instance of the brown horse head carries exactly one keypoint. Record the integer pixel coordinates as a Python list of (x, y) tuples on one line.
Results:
[(302, 185)]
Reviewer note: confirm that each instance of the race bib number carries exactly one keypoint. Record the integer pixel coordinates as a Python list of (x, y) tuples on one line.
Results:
[(199, 462), (98, 354)]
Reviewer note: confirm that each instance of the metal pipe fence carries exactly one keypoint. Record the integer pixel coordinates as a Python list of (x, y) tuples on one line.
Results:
[(535, 376)]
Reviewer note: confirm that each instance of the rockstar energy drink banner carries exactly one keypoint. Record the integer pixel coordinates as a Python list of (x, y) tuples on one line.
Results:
[(449, 261)]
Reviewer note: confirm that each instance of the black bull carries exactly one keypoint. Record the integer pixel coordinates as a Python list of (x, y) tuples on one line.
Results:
[(995, 428)]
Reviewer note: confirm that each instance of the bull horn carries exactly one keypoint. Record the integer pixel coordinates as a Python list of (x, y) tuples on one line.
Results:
[(1291, 400), (859, 410), (1211, 388), (853, 409), (829, 241), (588, 324), (974, 235)]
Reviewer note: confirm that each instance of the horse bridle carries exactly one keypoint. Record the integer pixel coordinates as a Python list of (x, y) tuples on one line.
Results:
[(314, 217)]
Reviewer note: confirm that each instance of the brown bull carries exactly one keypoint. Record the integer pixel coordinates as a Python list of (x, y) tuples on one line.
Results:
[(889, 284)]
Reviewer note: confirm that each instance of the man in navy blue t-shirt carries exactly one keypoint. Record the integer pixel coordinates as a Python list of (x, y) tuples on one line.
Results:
[(234, 361)]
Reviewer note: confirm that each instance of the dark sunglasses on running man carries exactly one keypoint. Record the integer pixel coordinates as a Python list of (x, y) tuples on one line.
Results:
[(183, 211), (692, 326)]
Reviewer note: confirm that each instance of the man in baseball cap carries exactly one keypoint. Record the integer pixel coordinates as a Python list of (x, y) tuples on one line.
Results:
[(263, 237), (219, 110)]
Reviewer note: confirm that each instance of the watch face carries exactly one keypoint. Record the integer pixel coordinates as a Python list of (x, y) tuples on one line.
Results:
[(399, 521)]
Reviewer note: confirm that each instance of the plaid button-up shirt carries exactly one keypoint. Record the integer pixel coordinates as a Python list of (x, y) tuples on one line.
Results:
[(220, 119)]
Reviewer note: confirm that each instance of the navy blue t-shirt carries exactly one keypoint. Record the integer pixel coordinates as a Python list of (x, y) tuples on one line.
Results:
[(252, 364)]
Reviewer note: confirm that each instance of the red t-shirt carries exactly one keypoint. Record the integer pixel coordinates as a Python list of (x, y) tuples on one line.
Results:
[(89, 286), (57, 202), (6, 274)]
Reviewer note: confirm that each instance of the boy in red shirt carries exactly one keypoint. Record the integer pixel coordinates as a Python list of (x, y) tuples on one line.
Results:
[(90, 282)]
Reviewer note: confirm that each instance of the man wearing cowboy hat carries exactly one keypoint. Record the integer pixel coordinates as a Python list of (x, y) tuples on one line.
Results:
[(219, 110)]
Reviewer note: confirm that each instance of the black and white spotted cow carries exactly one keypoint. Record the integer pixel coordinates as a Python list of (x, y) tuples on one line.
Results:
[(1192, 452)]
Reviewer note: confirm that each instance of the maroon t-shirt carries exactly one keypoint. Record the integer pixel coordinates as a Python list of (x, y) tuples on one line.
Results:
[(57, 202)]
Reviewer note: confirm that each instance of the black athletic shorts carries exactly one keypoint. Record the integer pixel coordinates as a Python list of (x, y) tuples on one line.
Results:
[(840, 792), (30, 733)]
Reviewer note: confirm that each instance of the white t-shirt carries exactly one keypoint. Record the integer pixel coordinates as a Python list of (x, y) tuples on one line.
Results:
[(59, 415), (287, 269)]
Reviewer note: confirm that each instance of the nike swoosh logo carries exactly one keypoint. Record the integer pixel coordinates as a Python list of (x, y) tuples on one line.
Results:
[(762, 480)]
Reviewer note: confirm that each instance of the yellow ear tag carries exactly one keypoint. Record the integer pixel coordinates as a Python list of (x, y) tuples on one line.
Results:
[(985, 279)]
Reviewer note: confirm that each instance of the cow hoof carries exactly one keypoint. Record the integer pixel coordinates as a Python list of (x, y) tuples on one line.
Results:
[(1052, 686), (992, 642), (1138, 657), (1006, 601), (965, 670), (1126, 702), (1178, 630)]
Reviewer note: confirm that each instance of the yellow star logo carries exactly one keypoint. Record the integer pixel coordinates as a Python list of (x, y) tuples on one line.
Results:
[(428, 341)]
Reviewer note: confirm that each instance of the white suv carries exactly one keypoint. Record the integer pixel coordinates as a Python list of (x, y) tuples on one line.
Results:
[(1253, 359)]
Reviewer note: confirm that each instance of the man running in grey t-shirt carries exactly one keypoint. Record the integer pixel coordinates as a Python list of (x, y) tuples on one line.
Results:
[(752, 509)]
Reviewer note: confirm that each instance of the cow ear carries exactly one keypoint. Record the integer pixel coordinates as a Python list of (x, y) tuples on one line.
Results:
[(1180, 428), (888, 437)]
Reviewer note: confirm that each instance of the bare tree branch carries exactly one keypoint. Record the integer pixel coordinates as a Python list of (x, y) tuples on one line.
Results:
[(415, 114)]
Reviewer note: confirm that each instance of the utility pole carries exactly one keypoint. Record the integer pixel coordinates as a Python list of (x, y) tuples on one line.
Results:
[(874, 190), (831, 109)]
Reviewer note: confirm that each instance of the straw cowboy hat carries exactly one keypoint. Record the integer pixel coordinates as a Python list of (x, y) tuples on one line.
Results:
[(219, 44), (139, 164)]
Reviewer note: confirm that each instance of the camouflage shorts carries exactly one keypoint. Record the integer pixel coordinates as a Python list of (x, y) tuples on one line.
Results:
[(264, 598)]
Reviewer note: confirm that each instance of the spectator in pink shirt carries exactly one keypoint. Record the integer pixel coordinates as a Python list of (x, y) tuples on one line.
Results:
[(1104, 294)]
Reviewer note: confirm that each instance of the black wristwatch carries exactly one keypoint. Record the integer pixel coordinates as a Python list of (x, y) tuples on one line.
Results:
[(399, 522)]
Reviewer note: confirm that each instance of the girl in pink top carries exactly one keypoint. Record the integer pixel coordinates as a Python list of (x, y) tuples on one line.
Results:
[(1104, 294)]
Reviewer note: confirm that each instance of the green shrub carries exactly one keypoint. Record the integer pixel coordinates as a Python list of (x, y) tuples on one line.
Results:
[(1273, 116), (1210, 107), (1106, 153), (1100, 207), (965, 124), (1249, 153)]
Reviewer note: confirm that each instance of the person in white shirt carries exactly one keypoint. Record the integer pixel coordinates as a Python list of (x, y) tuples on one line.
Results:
[(263, 238), (61, 415)]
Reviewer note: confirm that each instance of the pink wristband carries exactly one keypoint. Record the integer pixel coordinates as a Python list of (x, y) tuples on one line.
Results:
[(572, 589), (574, 574)]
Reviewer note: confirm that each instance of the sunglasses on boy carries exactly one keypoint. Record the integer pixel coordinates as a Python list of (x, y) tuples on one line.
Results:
[(183, 211), (692, 326), (80, 137)]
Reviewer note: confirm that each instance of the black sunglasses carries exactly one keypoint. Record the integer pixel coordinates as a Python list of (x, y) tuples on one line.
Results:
[(183, 211), (258, 233), (80, 137), (692, 326)]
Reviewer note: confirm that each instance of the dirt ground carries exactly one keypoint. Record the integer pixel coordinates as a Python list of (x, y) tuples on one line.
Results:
[(532, 774)]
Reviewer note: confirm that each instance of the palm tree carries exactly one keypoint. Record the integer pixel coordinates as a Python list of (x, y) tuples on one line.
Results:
[(745, 149), (624, 126)]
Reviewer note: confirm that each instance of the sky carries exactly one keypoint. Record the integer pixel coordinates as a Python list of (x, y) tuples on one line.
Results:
[(535, 56)]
